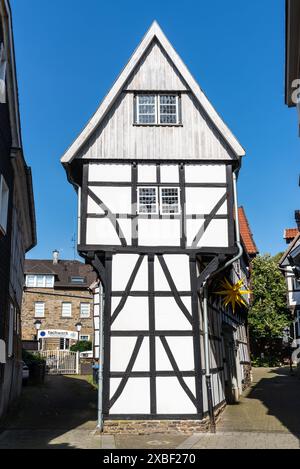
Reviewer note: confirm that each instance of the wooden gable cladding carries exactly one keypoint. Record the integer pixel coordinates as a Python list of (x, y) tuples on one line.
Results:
[(111, 133), (119, 138), (156, 72)]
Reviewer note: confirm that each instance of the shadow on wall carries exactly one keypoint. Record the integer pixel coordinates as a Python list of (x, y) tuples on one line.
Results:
[(281, 397), (48, 411)]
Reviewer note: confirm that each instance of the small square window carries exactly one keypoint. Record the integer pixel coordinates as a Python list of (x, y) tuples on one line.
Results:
[(161, 109), (169, 200), (4, 197), (147, 200), (84, 338), (168, 109), (146, 109)]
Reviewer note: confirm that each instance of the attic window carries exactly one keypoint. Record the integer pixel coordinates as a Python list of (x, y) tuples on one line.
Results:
[(78, 280), (161, 109)]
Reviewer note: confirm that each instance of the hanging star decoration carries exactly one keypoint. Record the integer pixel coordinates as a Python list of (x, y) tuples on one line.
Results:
[(233, 294)]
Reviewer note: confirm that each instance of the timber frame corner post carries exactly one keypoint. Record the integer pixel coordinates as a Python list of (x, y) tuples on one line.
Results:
[(156, 217)]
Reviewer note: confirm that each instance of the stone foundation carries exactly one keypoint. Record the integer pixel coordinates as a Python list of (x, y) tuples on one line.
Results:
[(146, 427)]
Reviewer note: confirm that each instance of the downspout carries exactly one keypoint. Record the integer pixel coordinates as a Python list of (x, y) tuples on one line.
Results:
[(205, 308), (101, 357)]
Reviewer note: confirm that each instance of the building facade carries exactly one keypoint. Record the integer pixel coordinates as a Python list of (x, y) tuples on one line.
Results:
[(292, 59), (58, 299), (17, 217), (155, 171)]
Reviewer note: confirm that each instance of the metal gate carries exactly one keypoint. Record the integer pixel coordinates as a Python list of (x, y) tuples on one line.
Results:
[(61, 362)]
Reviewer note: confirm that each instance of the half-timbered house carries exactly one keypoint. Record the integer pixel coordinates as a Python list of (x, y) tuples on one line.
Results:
[(155, 172)]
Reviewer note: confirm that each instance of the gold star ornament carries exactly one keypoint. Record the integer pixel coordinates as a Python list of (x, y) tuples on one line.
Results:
[(233, 294)]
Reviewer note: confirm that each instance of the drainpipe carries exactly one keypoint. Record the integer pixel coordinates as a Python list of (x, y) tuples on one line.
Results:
[(205, 309), (101, 355)]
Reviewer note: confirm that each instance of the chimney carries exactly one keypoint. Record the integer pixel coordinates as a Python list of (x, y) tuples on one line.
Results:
[(55, 256), (297, 218)]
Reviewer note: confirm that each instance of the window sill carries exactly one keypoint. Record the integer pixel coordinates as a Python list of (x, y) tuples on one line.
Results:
[(157, 125)]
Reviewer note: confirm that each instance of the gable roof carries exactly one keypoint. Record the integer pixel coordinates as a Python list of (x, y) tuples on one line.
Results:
[(154, 33), (246, 234), (63, 271)]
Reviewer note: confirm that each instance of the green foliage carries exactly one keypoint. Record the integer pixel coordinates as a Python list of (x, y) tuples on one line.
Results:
[(31, 358), (82, 346), (268, 314), (265, 362)]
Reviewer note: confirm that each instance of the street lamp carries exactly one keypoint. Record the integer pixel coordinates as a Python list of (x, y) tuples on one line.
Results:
[(78, 326), (37, 325)]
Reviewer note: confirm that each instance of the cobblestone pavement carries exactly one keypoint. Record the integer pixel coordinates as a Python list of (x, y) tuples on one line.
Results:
[(61, 414)]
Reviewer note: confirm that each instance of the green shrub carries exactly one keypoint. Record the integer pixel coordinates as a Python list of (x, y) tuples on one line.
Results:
[(32, 358), (82, 346)]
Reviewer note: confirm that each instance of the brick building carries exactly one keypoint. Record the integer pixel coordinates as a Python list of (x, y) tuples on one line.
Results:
[(57, 295)]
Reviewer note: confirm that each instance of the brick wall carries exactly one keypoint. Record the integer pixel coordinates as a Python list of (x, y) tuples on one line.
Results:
[(53, 299)]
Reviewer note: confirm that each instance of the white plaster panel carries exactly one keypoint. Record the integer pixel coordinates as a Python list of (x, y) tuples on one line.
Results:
[(122, 267), (168, 315), (141, 280), (202, 200), (125, 226), (92, 207), (135, 398), (134, 315), (109, 172), (205, 173), (159, 232), (216, 234), (185, 361), (179, 269), (142, 362), (169, 173), (147, 173), (121, 351), (160, 281), (172, 399), (117, 199), (101, 231)]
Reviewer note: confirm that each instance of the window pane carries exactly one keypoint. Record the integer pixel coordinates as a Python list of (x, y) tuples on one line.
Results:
[(85, 310), (85, 337), (168, 109), (66, 310), (78, 280), (30, 281), (40, 281), (170, 200), (146, 109), (49, 281), (39, 309), (147, 200)]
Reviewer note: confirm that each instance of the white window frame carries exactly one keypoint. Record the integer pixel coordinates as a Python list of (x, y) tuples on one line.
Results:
[(161, 202), (157, 109), (63, 315), (36, 314), (43, 283), (157, 200), (85, 335), (4, 201), (82, 316)]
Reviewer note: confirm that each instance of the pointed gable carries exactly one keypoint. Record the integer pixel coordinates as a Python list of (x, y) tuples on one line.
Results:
[(155, 65), (155, 71)]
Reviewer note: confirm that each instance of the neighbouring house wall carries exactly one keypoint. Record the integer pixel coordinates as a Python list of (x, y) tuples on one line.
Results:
[(53, 319)]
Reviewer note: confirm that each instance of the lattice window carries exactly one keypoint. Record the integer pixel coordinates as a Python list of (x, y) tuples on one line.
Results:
[(146, 109), (39, 309), (169, 200), (168, 109), (66, 310), (147, 200), (85, 310), (160, 109)]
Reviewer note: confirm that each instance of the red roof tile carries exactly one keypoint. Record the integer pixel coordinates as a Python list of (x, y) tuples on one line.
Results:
[(246, 233), (290, 233)]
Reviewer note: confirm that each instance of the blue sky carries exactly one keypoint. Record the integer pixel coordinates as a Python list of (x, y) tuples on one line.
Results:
[(69, 53)]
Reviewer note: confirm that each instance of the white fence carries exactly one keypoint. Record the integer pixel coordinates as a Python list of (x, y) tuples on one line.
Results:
[(61, 362)]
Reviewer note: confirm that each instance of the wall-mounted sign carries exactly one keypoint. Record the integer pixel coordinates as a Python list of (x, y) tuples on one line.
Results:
[(57, 334)]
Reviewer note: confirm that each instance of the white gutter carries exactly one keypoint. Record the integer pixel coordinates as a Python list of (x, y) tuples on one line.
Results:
[(205, 307), (101, 356)]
